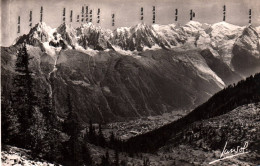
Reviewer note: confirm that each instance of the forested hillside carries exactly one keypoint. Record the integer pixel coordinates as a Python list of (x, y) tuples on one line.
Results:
[(244, 92)]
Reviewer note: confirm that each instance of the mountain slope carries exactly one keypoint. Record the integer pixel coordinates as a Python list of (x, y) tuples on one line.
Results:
[(237, 126), (244, 92), (113, 86), (109, 86), (202, 142)]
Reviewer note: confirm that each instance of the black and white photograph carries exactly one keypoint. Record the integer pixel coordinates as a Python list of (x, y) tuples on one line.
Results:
[(130, 82)]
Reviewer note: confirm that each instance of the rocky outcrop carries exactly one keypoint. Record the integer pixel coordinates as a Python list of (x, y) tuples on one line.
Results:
[(93, 37), (246, 50), (137, 37), (11, 155)]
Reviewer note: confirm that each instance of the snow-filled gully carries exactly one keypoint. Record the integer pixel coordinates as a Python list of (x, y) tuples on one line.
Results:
[(50, 73)]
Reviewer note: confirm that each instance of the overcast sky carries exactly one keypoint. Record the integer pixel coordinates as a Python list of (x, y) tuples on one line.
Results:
[(127, 12)]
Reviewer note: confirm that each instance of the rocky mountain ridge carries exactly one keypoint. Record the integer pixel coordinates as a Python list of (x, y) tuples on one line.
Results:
[(140, 36)]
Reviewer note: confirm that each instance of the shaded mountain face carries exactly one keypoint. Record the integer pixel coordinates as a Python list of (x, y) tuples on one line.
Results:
[(220, 67)]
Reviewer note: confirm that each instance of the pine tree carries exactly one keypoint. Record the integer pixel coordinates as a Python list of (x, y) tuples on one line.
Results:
[(86, 155), (24, 99), (101, 138), (10, 125), (105, 160), (92, 133), (116, 163), (48, 112), (90, 130), (52, 143), (72, 128), (112, 140), (146, 162), (37, 132)]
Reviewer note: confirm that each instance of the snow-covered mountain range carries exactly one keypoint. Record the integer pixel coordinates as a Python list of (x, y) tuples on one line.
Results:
[(137, 37), (219, 37)]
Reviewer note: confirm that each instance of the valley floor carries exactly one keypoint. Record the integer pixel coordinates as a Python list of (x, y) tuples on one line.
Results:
[(125, 130)]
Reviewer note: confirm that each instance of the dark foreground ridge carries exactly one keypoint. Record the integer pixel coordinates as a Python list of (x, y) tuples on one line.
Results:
[(244, 92)]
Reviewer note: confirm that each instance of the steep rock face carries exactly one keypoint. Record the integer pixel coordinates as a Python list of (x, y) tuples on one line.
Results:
[(168, 33), (93, 37), (44, 37), (220, 67), (138, 37), (68, 33), (39, 33), (246, 50)]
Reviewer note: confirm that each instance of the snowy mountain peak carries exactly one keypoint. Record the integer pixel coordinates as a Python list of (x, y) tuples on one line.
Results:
[(140, 26), (122, 29), (249, 40), (68, 33), (225, 25), (159, 27), (42, 32), (258, 29), (91, 27), (41, 25), (193, 23), (192, 27), (223, 29), (66, 26)]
